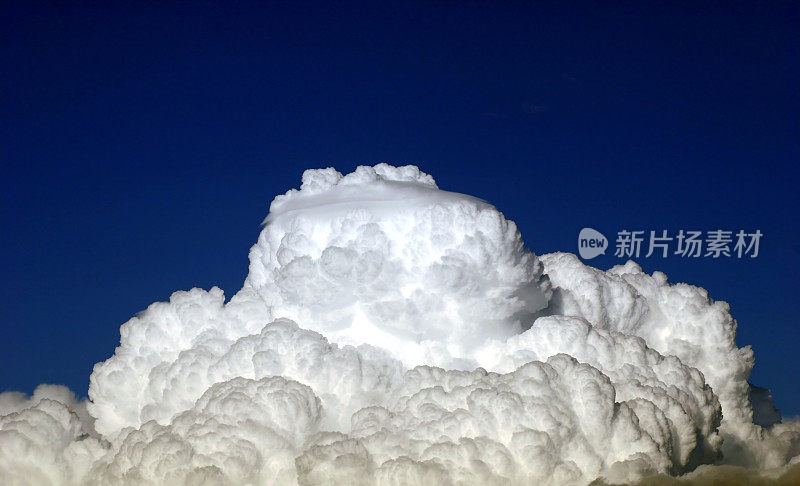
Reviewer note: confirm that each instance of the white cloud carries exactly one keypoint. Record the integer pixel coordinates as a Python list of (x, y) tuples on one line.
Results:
[(357, 352)]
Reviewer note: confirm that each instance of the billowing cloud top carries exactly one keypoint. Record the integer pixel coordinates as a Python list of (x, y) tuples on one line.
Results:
[(383, 257), (390, 332)]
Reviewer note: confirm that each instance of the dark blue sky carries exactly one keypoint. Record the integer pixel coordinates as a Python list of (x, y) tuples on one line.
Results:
[(142, 144)]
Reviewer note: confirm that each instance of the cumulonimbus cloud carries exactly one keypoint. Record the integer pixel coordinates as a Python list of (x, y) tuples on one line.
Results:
[(390, 332)]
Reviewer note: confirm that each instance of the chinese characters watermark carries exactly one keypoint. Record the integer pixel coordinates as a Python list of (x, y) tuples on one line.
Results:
[(686, 244)]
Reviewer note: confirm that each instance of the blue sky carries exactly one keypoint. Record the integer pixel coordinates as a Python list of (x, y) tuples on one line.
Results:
[(143, 142)]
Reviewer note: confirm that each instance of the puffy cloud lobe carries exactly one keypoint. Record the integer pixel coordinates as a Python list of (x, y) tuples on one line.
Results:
[(548, 422), (240, 431), (655, 383), (46, 438), (345, 378), (674, 319), (357, 352)]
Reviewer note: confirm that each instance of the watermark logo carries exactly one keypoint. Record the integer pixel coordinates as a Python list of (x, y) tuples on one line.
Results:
[(685, 244), (591, 243)]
